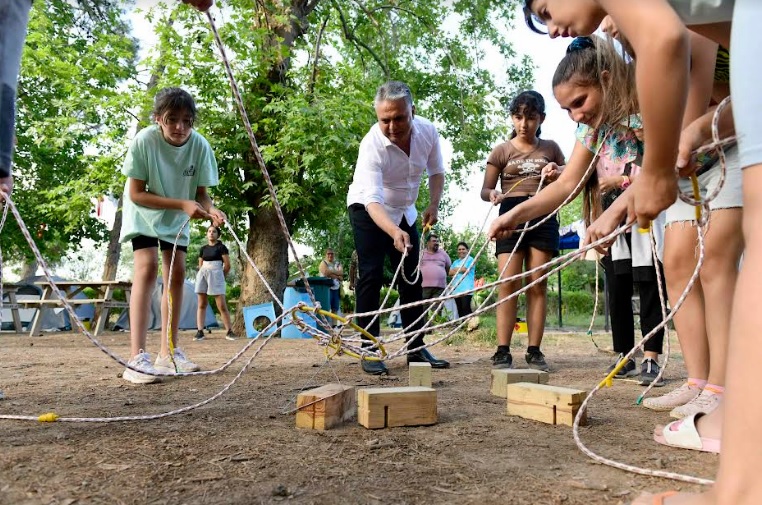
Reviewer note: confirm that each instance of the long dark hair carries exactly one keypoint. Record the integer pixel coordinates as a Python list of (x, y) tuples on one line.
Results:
[(527, 102)]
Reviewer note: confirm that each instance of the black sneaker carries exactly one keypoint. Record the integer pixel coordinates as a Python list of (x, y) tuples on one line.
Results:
[(199, 336), (628, 370), (502, 359), (649, 371), (230, 335), (536, 359)]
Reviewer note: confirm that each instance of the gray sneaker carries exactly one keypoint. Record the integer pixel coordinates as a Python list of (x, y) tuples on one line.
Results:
[(628, 370), (536, 360), (649, 371), (199, 336), (502, 359)]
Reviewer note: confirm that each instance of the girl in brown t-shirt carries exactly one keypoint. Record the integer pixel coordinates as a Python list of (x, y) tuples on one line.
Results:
[(518, 164)]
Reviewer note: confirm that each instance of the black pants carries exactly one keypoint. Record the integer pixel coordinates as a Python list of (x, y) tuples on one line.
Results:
[(373, 245), (463, 303), (619, 288)]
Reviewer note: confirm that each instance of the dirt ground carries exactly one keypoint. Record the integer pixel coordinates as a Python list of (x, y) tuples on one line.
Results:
[(243, 449)]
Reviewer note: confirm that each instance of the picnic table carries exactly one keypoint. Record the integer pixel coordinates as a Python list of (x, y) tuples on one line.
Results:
[(103, 302), (12, 304)]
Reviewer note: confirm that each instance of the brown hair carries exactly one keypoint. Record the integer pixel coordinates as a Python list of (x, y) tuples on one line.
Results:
[(587, 58)]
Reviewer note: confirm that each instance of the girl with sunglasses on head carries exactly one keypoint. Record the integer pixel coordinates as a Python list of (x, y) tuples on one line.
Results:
[(655, 30)]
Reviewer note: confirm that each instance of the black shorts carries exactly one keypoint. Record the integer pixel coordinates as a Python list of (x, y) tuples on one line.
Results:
[(144, 242), (544, 238)]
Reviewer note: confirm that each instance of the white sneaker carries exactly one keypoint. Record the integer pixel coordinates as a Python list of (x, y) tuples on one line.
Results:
[(184, 365), (704, 403), (675, 398), (142, 362)]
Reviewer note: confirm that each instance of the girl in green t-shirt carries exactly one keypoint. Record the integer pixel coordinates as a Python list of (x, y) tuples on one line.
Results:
[(168, 168)]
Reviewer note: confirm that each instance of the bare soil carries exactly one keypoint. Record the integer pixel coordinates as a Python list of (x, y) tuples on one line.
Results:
[(243, 449)]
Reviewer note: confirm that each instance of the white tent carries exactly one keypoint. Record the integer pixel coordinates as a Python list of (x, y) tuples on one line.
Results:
[(187, 313)]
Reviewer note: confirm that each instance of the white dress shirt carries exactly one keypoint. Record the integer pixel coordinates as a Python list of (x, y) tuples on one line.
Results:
[(385, 174)]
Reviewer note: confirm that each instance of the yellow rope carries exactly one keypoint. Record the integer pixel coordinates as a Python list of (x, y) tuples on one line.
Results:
[(50, 417), (336, 342), (696, 195)]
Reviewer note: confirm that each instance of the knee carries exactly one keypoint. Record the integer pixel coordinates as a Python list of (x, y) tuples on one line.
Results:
[(538, 290), (678, 268), (202, 303)]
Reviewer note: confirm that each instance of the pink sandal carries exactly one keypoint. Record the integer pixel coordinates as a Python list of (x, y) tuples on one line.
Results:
[(684, 435)]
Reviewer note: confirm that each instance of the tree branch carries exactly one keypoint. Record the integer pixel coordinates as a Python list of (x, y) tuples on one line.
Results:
[(357, 42), (316, 58)]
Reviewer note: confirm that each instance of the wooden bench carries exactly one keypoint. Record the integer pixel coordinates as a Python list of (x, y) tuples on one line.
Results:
[(103, 303)]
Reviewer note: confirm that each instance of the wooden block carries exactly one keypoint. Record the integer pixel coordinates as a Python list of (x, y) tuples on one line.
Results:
[(420, 374), (501, 377), (549, 404), (402, 406), (325, 407)]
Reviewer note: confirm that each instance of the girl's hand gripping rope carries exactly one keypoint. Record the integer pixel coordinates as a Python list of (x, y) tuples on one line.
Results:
[(550, 172), (653, 193), (502, 227)]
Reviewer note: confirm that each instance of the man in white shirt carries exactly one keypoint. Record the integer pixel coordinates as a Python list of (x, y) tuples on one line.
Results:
[(381, 201)]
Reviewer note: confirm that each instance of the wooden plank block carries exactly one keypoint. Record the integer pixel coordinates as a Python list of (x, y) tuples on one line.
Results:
[(501, 377), (400, 406), (548, 404), (325, 407), (419, 374)]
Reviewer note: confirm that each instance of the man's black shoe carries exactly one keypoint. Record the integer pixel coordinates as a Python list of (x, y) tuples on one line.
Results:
[(424, 356), (374, 367)]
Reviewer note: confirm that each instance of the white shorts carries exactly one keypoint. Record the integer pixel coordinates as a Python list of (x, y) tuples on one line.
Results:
[(210, 279), (744, 82), (729, 197)]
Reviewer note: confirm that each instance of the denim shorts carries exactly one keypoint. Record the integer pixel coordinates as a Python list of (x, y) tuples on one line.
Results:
[(14, 16), (729, 197)]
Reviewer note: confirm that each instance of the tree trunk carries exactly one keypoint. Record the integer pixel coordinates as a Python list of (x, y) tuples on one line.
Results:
[(268, 248), (114, 251), (29, 269), (267, 245)]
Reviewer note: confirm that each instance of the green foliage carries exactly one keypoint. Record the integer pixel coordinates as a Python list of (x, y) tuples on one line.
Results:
[(72, 120), (393, 296), (580, 276), (309, 105)]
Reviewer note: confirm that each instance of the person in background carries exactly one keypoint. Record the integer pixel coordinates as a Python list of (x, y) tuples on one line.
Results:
[(463, 273), (213, 267), (332, 269)]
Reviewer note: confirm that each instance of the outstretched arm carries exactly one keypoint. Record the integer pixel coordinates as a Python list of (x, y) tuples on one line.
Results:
[(549, 198), (662, 49)]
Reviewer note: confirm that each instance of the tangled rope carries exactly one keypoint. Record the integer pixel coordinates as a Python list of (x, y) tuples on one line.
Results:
[(333, 339)]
